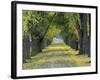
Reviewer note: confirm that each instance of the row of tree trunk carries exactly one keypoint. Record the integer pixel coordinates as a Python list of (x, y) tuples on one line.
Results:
[(83, 43), (33, 46)]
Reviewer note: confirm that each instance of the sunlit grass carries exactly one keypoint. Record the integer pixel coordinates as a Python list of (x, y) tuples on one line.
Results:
[(77, 59), (68, 55), (60, 48), (80, 60)]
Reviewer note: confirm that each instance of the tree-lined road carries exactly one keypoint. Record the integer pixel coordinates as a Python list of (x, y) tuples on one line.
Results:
[(52, 58)]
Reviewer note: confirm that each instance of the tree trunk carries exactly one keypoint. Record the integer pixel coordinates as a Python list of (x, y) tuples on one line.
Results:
[(84, 39), (36, 47), (74, 44), (26, 48), (81, 42)]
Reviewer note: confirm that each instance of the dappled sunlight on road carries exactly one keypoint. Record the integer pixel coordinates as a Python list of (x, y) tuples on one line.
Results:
[(56, 56)]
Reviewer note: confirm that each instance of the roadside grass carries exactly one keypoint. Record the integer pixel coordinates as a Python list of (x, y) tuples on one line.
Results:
[(79, 60), (60, 48), (70, 55)]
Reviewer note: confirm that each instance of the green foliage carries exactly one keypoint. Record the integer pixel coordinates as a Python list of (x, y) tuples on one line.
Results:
[(69, 29), (34, 23), (40, 24), (53, 31)]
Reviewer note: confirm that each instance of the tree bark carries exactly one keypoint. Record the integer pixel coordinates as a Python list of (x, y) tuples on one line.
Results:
[(36, 47), (84, 38), (26, 48)]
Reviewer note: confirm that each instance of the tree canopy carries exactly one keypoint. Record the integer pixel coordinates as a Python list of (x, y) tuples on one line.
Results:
[(40, 25)]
